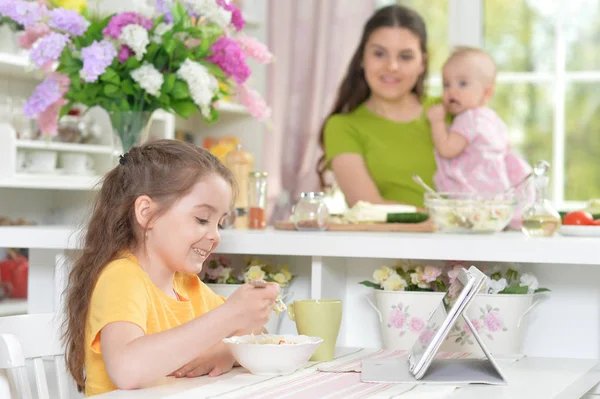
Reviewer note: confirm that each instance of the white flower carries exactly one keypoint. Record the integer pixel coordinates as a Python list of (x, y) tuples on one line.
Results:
[(495, 286), (394, 283), (382, 274), (201, 83), (136, 38), (160, 30), (211, 10), (149, 78), (225, 274), (529, 280)]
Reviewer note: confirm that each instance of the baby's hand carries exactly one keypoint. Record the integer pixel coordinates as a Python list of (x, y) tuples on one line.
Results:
[(436, 113), (254, 304)]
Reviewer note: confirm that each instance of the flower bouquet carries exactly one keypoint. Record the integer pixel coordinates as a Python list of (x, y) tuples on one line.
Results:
[(183, 59), (219, 269)]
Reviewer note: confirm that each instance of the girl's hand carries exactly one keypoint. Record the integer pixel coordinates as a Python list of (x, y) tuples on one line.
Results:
[(214, 362), (253, 305), (436, 113)]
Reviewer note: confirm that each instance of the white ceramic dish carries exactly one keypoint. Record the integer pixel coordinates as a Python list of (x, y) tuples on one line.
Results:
[(272, 359), (580, 231)]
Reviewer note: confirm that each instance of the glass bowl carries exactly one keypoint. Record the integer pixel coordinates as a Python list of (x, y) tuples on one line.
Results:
[(471, 213)]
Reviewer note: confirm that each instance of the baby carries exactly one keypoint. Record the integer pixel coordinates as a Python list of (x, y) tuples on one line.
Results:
[(473, 154)]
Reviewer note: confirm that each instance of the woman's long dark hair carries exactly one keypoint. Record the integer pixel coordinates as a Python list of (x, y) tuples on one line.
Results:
[(354, 90)]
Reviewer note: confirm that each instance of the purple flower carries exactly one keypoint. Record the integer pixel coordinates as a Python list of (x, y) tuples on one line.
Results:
[(48, 49), (69, 21), (230, 57), (47, 93), (96, 58), (237, 19), (119, 21), (164, 7), (27, 13)]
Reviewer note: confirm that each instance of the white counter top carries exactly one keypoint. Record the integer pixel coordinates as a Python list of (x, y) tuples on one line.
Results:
[(507, 247)]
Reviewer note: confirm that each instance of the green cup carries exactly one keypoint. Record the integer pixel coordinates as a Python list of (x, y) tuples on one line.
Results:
[(318, 318)]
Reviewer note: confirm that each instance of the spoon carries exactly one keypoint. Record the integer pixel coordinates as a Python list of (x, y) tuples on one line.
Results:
[(421, 183)]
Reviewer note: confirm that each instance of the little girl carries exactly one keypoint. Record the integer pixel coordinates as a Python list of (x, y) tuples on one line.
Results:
[(474, 154), (136, 310)]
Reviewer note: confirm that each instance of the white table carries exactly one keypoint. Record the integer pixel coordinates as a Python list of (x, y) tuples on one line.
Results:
[(530, 378)]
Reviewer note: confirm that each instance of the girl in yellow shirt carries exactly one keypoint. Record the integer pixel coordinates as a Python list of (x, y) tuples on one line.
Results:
[(136, 310)]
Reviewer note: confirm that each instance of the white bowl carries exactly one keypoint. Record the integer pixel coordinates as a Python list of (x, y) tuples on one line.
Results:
[(261, 358)]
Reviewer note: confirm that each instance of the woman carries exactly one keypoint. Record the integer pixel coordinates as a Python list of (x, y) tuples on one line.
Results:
[(378, 135)]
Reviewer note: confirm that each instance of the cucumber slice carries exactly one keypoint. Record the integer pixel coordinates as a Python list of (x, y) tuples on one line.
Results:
[(407, 217)]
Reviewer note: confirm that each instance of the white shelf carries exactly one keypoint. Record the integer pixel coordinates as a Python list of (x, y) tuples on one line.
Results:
[(18, 66), (9, 307), (501, 247), (50, 182), (68, 147)]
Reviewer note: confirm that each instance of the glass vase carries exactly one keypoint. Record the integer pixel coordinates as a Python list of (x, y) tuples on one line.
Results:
[(130, 128)]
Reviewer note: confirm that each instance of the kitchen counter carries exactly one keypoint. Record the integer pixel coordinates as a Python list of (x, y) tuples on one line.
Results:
[(331, 264), (501, 247)]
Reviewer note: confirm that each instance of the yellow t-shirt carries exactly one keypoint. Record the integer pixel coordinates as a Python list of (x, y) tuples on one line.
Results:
[(124, 292)]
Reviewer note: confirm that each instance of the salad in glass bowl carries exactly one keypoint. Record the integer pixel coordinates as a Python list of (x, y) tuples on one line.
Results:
[(474, 213)]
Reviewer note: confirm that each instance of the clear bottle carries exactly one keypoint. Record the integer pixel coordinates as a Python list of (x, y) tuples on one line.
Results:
[(311, 213), (257, 200), (540, 219), (241, 163)]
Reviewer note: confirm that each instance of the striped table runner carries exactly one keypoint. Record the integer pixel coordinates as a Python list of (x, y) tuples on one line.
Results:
[(341, 380)]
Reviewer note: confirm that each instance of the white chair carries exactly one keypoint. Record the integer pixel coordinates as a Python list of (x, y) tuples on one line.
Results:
[(28, 339)]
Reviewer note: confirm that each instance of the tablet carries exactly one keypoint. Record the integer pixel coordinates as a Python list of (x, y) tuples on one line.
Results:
[(441, 320)]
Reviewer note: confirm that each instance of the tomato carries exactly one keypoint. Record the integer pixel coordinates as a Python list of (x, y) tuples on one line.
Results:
[(579, 218)]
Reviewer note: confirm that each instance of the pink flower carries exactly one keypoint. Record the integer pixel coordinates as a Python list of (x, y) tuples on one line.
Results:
[(255, 104), (32, 34), (426, 337), (493, 321), (124, 53), (453, 273), (224, 261), (416, 325), (397, 318), (431, 273), (48, 119), (118, 22), (229, 56), (476, 324), (215, 273), (255, 49)]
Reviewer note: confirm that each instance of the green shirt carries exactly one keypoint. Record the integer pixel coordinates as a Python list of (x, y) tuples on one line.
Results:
[(393, 151)]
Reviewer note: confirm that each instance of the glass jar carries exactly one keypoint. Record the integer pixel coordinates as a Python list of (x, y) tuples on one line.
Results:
[(257, 200), (540, 219), (311, 213), (241, 164)]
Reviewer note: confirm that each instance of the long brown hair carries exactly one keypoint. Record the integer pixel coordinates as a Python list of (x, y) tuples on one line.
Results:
[(354, 89), (165, 170)]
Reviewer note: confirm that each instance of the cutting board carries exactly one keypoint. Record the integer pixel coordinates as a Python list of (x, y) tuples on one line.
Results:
[(424, 227)]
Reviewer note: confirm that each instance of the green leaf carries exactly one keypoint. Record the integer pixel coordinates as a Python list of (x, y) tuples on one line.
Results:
[(515, 289), (214, 70), (179, 12), (127, 87), (110, 76), (180, 90), (170, 45), (132, 63), (370, 284), (111, 90), (184, 108), (169, 83)]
